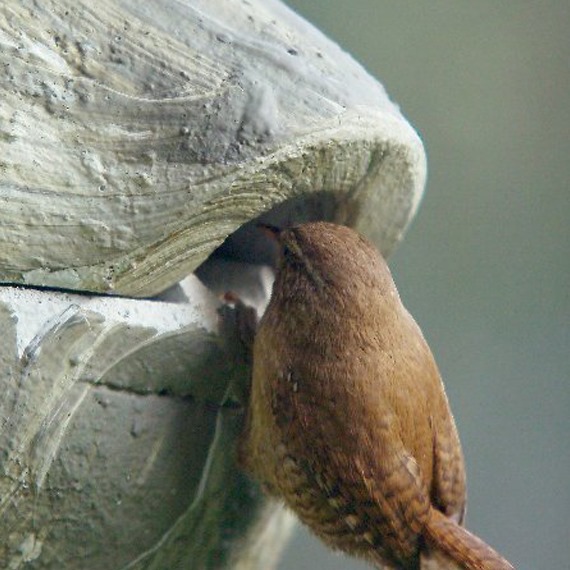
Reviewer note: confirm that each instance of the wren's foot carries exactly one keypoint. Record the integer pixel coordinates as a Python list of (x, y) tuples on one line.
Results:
[(244, 320), (238, 325)]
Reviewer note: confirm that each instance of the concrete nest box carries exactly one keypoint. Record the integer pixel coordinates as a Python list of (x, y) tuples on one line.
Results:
[(140, 143)]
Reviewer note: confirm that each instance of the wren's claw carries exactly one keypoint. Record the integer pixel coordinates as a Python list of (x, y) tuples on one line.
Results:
[(231, 298)]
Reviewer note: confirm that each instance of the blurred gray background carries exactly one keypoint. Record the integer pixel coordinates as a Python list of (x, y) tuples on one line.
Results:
[(485, 267)]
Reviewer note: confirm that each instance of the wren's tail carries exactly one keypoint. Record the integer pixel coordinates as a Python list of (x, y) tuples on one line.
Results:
[(464, 548)]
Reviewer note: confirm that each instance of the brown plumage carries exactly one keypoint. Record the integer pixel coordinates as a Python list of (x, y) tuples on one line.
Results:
[(348, 421)]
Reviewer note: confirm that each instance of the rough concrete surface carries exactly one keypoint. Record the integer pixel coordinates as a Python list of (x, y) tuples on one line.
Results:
[(136, 136), (118, 422)]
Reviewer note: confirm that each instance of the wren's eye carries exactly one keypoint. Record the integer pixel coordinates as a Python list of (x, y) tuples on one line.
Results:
[(289, 255)]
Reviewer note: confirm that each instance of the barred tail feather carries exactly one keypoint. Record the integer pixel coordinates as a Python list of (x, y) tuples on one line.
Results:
[(468, 551)]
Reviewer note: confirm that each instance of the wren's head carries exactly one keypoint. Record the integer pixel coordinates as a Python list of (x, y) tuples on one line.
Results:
[(320, 258)]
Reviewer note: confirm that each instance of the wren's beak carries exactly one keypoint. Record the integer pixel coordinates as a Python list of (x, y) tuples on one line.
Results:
[(272, 232)]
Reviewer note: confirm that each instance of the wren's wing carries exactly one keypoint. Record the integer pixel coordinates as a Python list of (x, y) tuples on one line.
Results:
[(449, 486), (364, 490)]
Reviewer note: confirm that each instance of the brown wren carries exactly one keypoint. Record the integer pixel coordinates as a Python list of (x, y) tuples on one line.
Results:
[(348, 420)]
